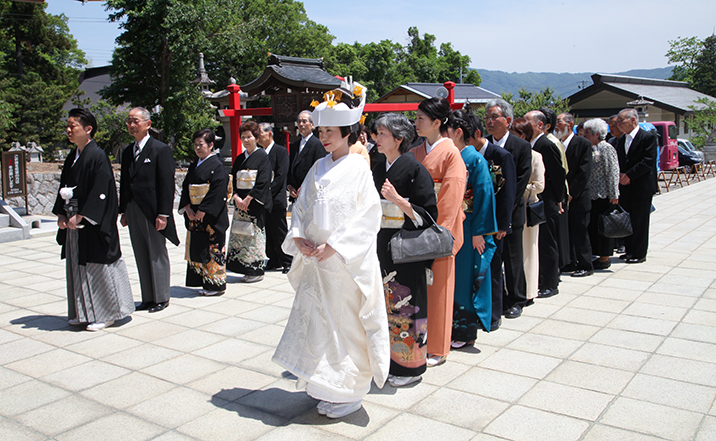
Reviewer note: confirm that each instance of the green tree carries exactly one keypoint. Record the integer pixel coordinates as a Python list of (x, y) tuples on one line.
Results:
[(157, 53), (39, 69), (704, 71), (682, 52), (703, 122), (528, 101), (112, 132)]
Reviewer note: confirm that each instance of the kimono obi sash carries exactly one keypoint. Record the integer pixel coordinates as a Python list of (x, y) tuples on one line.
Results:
[(468, 199), (197, 193), (393, 217), (438, 183), (245, 179)]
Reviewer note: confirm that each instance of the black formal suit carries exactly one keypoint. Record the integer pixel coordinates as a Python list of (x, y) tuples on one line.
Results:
[(640, 165), (579, 159), (146, 191), (555, 191), (504, 205), (512, 253), (276, 226), (301, 162)]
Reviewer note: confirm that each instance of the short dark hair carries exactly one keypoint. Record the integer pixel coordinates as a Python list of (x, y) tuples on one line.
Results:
[(436, 108), (520, 126), (351, 132), (476, 124), (206, 134), (85, 118), (551, 116), (459, 119), (250, 126), (399, 127)]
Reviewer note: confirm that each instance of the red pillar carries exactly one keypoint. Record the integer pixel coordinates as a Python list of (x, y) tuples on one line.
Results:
[(450, 86), (234, 119)]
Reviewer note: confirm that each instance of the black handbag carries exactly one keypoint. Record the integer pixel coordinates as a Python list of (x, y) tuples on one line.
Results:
[(615, 223), (535, 212), (434, 242)]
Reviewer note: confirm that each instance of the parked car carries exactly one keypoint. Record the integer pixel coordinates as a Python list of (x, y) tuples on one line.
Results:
[(685, 143), (687, 158)]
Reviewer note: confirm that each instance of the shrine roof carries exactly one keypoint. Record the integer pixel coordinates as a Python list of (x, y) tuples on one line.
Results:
[(292, 73)]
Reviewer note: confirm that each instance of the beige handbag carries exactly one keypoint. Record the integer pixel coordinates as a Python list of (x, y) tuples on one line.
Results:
[(197, 193)]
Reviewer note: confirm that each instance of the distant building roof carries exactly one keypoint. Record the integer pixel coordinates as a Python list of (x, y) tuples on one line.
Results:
[(674, 96), (416, 92), (92, 80), (292, 73)]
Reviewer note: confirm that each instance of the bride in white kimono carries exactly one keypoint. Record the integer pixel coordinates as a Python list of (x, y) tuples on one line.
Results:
[(336, 339)]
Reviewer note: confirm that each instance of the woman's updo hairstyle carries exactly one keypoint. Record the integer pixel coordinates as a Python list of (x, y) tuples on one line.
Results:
[(460, 119), (436, 108)]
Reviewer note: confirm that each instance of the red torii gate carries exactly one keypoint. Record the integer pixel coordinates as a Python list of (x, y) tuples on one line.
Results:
[(235, 112)]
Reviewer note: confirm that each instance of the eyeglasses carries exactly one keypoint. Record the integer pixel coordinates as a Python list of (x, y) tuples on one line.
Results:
[(493, 117), (134, 121)]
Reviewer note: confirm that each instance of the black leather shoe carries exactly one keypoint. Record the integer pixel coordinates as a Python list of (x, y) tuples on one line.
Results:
[(547, 293), (494, 326), (530, 302), (144, 306), (625, 256), (513, 312), (285, 270), (569, 268), (582, 273), (635, 260), (597, 265), (159, 307)]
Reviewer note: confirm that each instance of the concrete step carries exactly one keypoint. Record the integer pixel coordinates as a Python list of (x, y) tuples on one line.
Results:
[(10, 234), (4, 220)]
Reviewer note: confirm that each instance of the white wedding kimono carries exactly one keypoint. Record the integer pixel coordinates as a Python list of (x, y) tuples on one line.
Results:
[(336, 339)]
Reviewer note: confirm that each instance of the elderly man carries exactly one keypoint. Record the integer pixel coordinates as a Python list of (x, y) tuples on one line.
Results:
[(498, 118), (304, 152), (276, 226), (636, 151), (614, 130), (146, 201), (579, 158), (552, 196), (504, 205)]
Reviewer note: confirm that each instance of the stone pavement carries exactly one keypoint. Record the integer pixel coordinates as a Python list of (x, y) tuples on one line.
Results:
[(627, 354)]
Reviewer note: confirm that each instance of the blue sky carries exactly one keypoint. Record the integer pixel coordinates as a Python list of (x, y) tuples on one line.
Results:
[(514, 36)]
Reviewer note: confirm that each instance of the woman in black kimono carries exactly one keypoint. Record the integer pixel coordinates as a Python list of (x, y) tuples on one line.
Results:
[(408, 201), (251, 177), (203, 204)]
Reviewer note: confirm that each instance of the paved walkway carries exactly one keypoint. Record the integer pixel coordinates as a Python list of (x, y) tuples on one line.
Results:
[(627, 354)]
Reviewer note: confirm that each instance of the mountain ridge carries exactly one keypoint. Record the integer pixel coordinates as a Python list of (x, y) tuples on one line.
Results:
[(564, 84)]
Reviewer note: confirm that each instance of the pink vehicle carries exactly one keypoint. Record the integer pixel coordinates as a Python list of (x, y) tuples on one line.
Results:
[(668, 145)]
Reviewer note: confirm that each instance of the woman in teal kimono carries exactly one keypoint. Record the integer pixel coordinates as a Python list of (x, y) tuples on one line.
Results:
[(473, 290)]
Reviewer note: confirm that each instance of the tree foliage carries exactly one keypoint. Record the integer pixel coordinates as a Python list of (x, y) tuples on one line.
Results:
[(704, 73), (703, 122), (39, 69), (695, 61), (528, 101), (157, 53), (386, 65)]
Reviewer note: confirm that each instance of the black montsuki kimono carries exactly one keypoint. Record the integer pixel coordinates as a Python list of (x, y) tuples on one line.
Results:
[(98, 288), (247, 253), (205, 240), (405, 284)]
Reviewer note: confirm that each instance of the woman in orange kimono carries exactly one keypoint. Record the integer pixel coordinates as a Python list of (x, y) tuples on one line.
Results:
[(442, 159)]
